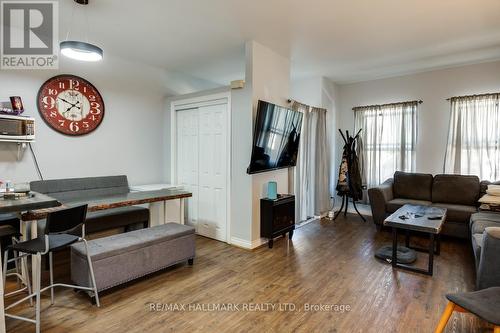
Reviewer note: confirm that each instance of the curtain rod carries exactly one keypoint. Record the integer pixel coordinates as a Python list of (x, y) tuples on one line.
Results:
[(388, 104), (290, 101), (478, 95)]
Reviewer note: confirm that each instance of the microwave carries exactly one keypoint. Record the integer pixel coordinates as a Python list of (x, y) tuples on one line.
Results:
[(17, 128)]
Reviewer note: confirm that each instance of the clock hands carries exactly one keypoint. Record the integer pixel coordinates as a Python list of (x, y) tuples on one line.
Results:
[(65, 101), (74, 106)]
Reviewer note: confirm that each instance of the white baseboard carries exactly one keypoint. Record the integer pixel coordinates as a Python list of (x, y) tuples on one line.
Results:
[(303, 223), (259, 242), (243, 243)]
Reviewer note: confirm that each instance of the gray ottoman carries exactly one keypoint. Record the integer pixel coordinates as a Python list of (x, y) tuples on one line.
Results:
[(121, 258)]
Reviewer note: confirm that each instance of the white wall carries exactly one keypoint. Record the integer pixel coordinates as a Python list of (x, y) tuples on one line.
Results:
[(267, 78), (270, 81), (433, 114), (241, 150), (321, 92), (129, 139)]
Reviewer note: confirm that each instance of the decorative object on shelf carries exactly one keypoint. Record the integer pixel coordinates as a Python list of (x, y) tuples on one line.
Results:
[(272, 190), (349, 183), (17, 128), (80, 50), (17, 105), (70, 105), (14, 107), (277, 217), (4, 110)]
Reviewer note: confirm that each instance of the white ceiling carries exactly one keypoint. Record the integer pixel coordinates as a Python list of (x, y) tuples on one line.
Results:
[(343, 40)]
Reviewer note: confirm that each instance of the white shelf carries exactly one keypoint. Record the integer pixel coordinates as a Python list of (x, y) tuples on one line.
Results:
[(16, 140)]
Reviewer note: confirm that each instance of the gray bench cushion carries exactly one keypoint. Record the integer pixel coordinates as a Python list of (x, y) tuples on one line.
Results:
[(121, 258), (72, 189), (110, 246), (89, 188)]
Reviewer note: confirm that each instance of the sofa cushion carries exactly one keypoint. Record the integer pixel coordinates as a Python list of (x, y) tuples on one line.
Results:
[(456, 189), (417, 186), (394, 204), (484, 186), (457, 213), (478, 227), (115, 218), (485, 216)]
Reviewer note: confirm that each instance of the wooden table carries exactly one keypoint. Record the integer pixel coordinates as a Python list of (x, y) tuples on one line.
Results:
[(113, 201), (416, 218), (34, 201)]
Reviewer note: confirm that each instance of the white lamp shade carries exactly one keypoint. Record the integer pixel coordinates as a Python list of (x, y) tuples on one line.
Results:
[(81, 51)]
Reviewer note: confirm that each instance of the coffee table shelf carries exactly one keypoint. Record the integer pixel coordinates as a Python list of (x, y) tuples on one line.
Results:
[(416, 218)]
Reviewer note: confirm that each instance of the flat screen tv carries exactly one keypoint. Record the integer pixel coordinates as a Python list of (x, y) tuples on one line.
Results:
[(275, 139)]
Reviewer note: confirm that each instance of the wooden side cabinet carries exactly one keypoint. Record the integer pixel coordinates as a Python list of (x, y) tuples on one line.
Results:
[(277, 217)]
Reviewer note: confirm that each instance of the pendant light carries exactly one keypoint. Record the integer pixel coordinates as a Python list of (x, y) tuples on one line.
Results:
[(78, 50)]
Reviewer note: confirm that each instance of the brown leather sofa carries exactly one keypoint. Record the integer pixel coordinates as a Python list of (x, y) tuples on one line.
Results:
[(457, 193)]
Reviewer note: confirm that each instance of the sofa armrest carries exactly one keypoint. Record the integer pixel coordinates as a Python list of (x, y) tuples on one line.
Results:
[(488, 274), (379, 196)]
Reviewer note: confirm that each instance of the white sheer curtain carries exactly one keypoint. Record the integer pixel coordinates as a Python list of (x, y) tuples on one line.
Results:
[(473, 140), (388, 136), (312, 170)]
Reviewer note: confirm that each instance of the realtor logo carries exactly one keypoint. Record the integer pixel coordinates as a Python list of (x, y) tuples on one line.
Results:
[(29, 35)]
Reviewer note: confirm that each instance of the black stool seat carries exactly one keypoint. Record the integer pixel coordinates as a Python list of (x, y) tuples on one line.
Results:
[(8, 231), (11, 219), (37, 245), (484, 303)]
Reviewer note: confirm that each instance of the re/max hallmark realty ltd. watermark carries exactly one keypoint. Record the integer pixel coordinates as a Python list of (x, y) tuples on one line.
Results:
[(247, 307), (29, 34)]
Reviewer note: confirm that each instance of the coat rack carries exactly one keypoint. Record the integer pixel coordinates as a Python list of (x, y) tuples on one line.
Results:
[(349, 183)]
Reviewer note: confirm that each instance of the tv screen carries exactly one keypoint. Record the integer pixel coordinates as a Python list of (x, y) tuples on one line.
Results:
[(275, 138)]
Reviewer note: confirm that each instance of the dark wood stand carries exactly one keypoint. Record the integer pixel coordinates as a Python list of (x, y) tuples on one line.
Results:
[(277, 217), (345, 199)]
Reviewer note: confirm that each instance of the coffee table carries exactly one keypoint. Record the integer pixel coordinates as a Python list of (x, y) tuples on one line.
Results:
[(416, 218)]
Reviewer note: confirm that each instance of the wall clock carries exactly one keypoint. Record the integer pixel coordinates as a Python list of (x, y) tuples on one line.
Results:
[(70, 105)]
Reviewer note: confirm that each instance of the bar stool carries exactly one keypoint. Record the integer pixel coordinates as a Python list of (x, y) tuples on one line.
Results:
[(63, 228), (9, 230), (484, 303)]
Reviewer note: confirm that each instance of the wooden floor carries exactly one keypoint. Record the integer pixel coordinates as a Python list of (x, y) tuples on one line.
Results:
[(326, 263)]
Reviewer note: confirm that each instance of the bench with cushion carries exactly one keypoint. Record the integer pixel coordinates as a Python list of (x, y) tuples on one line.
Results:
[(124, 257), (81, 189)]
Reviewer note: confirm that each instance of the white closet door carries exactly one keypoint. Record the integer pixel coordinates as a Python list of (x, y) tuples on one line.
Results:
[(212, 199), (187, 159)]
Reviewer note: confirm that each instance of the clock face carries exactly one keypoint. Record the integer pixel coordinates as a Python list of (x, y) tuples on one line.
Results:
[(70, 105)]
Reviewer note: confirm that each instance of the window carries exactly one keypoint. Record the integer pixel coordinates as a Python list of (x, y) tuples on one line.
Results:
[(388, 140), (473, 138)]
